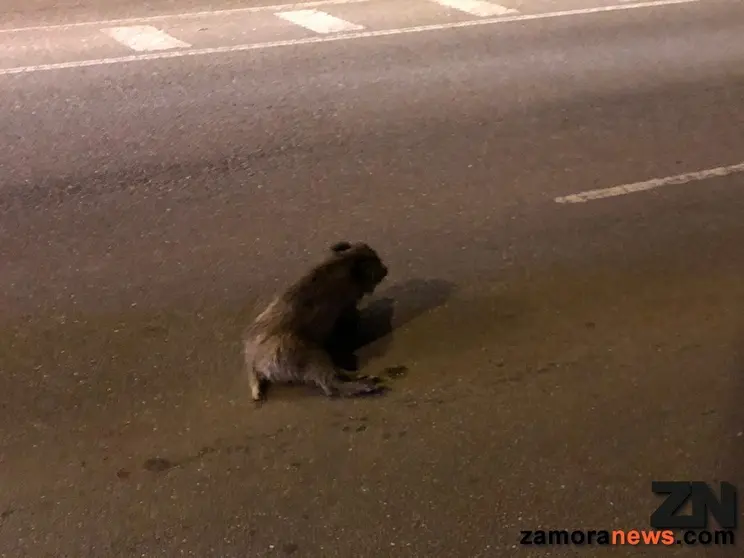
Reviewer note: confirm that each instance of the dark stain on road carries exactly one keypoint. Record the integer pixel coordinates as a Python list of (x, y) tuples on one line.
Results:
[(396, 371), (158, 465), (519, 377), (290, 548), (206, 450)]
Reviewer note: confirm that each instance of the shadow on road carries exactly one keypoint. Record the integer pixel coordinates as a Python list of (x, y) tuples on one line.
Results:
[(400, 304)]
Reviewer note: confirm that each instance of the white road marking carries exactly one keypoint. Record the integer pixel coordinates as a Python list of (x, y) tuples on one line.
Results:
[(144, 37), (589, 195), (477, 7), (184, 15), (333, 38), (318, 21)]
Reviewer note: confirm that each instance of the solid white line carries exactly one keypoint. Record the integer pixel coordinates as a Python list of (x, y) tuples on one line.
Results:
[(589, 195), (477, 7), (318, 21), (144, 38), (332, 38), (184, 15)]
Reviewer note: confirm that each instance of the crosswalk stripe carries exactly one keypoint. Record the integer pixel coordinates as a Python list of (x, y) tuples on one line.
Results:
[(80, 46), (318, 21), (477, 7), (143, 38)]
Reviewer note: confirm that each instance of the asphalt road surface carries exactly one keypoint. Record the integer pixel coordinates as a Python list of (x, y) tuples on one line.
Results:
[(164, 167)]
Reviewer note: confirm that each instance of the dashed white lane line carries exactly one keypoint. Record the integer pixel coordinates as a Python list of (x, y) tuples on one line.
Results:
[(183, 15), (319, 22), (477, 8), (143, 38), (333, 38), (589, 195)]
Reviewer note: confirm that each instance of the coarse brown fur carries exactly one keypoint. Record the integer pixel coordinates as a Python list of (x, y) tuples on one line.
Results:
[(288, 341)]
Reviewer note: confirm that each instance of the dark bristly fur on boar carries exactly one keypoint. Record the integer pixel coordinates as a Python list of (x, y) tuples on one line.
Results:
[(287, 342)]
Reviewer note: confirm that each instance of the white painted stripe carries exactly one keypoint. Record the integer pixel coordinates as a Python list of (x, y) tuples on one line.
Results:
[(333, 38), (183, 15), (477, 7), (589, 195), (144, 37), (318, 21)]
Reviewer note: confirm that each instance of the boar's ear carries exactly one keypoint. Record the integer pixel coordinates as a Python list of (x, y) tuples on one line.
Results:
[(341, 246)]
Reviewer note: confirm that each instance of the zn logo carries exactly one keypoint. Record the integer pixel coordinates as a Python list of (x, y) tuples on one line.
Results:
[(703, 500)]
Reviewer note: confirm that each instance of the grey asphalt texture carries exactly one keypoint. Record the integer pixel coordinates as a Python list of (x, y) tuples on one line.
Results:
[(559, 357)]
